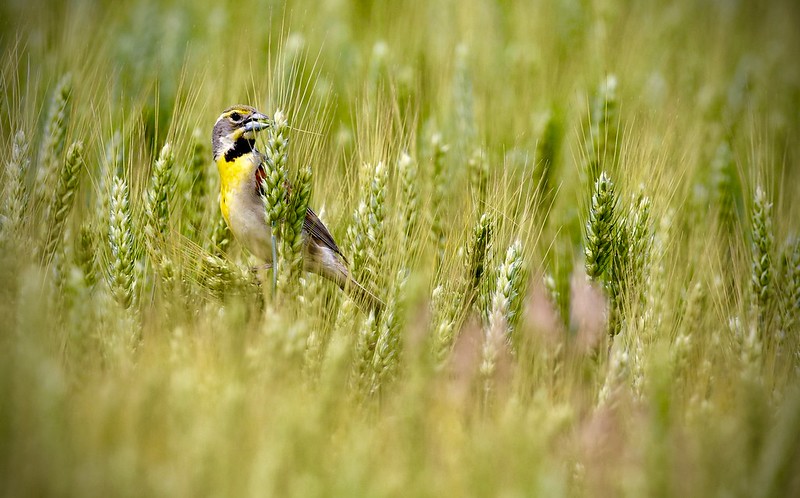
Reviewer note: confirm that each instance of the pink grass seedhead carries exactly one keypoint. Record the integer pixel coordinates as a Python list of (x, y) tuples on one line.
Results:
[(542, 315), (588, 311)]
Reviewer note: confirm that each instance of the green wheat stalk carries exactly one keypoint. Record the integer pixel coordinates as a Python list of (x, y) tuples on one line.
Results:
[(157, 197), (366, 233), (290, 245), (445, 321), (110, 167), (762, 273), (386, 357), (656, 278), (15, 193), (275, 182), (409, 198), (366, 341), (357, 238), (376, 230), (618, 276), (512, 276), (601, 228), (685, 340), (790, 302), (313, 296), (63, 197), (477, 256), (194, 186), (157, 211), (493, 340), (219, 236), (617, 374), (440, 181), (54, 137), (503, 314), (641, 245), (367, 240), (222, 277), (121, 271), (451, 301), (639, 284), (86, 254)]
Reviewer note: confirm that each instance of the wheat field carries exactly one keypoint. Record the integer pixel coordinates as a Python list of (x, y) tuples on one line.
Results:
[(582, 216)]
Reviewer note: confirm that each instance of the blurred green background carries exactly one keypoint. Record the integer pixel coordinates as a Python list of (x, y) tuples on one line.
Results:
[(206, 383)]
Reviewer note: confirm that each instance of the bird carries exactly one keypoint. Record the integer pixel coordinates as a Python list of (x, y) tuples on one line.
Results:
[(241, 168)]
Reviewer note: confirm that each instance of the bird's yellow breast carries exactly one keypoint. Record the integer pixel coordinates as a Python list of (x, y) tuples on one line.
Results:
[(234, 176), (242, 206)]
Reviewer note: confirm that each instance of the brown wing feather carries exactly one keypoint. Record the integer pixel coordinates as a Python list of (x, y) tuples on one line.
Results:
[(261, 173), (319, 232)]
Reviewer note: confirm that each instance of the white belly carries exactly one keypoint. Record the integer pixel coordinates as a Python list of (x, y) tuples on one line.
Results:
[(248, 224)]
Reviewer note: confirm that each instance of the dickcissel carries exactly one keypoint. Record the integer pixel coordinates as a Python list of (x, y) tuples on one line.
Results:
[(241, 169)]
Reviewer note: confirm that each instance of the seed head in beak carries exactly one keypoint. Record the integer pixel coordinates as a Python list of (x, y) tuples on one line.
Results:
[(257, 122)]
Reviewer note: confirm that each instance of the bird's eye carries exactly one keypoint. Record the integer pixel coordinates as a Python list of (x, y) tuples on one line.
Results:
[(236, 116)]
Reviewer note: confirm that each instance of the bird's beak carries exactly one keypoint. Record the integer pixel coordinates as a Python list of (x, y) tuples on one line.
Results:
[(257, 122)]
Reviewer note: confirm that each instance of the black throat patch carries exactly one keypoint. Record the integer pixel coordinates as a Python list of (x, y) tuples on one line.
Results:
[(240, 148)]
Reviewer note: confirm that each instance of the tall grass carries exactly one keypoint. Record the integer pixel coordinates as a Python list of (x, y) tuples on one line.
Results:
[(583, 228)]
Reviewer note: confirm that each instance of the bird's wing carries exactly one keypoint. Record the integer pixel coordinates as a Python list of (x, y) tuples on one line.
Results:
[(319, 232), (260, 175)]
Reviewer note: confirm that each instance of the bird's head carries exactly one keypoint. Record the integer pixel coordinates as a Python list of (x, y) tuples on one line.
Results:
[(235, 131)]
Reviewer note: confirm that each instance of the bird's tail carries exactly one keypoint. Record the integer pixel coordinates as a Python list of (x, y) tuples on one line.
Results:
[(364, 299)]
